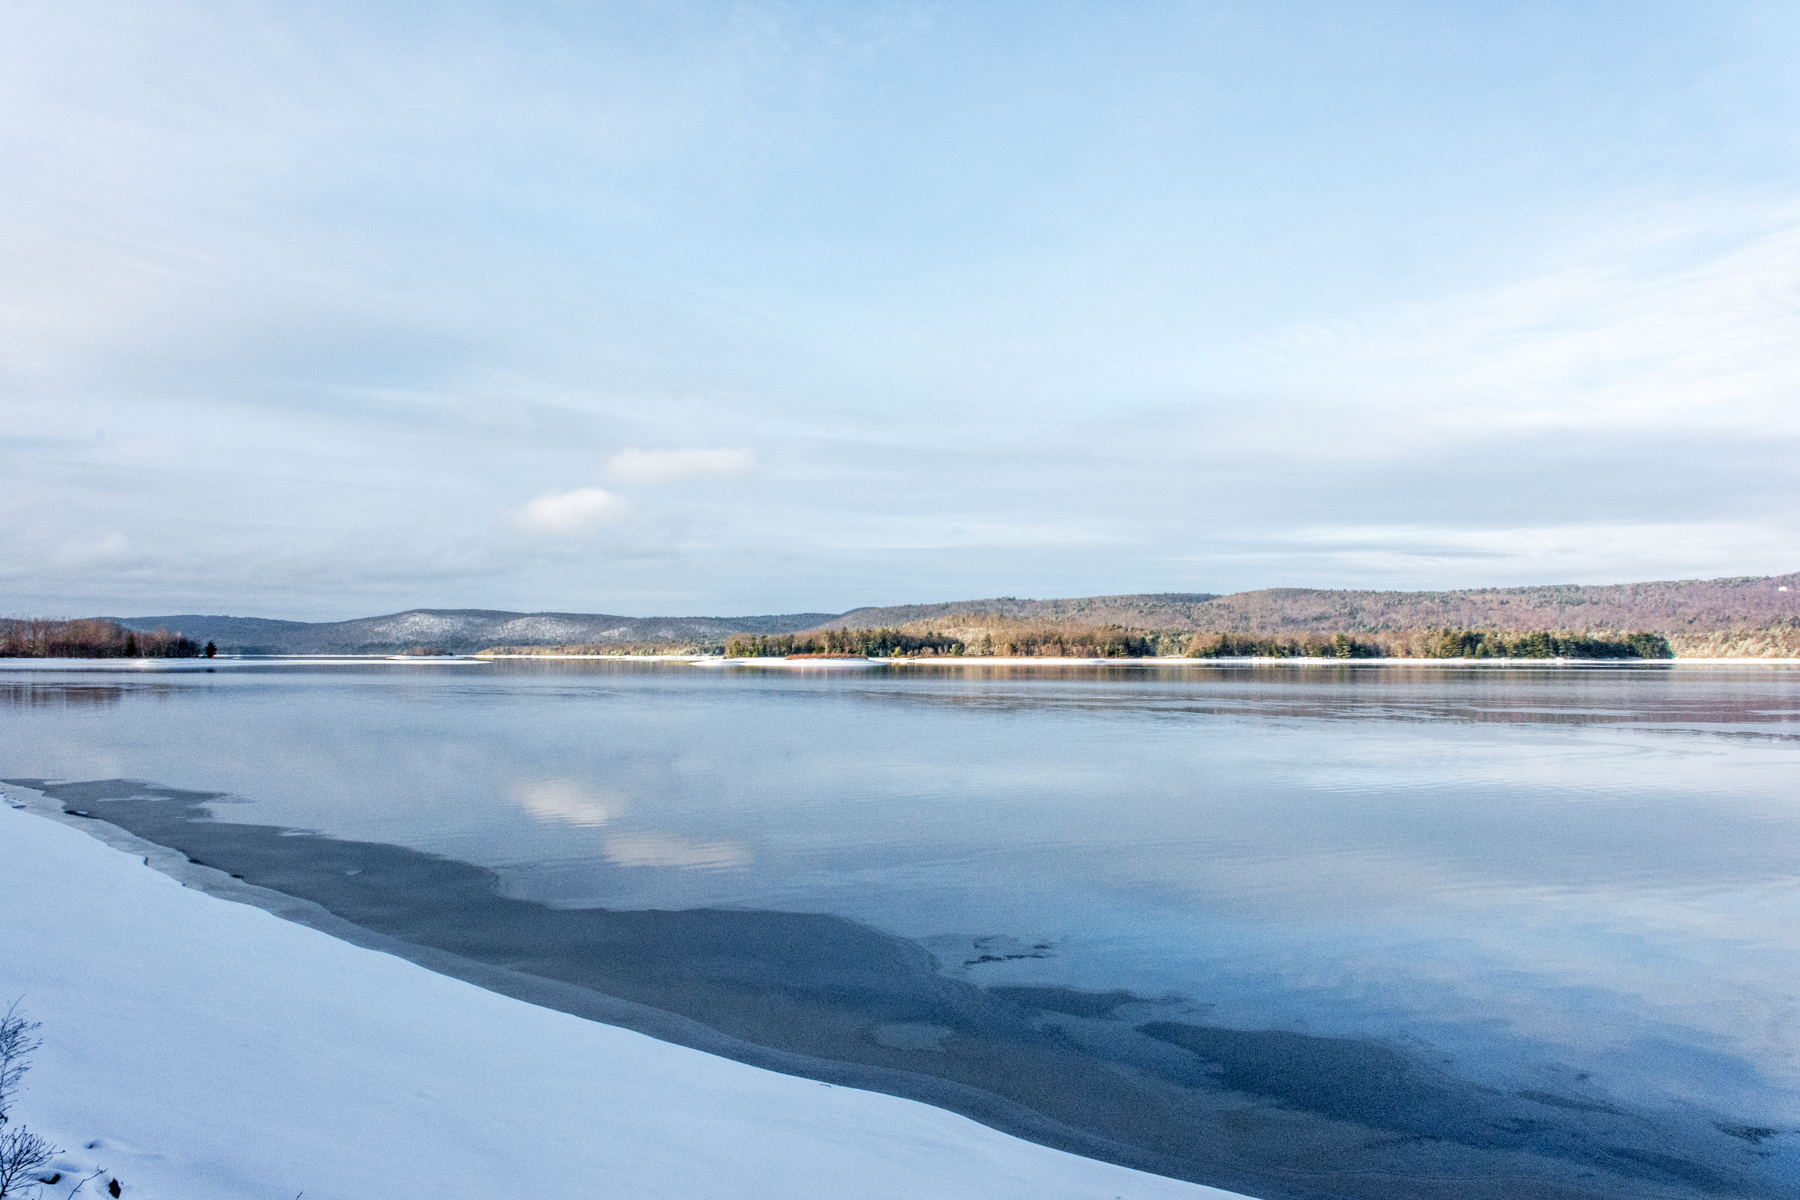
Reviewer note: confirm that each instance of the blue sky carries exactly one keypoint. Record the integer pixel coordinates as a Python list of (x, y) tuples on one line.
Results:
[(317, 311)]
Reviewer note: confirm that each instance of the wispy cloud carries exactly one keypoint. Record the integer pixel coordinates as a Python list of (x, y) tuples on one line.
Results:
[(1569, 552), (580, 510), (334, 298), (1671, 323), (666, 466)]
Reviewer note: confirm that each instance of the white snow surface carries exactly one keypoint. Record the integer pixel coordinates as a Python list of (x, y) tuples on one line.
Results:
[(197, 1048)]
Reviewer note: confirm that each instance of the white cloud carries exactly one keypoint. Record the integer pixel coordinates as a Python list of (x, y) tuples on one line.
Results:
[(576, 511), (666, 850), (567, 801), (573, 803), (664, 466)]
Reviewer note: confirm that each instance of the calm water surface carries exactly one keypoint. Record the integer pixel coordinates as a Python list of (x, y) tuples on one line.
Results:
[(1578, 882)]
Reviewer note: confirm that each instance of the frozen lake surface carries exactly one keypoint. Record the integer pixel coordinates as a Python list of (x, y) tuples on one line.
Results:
[(1297, 931)]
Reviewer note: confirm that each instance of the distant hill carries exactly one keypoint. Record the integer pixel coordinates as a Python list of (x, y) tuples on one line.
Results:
[(459, 630), (1672, 607), (1687, 611), (1157, 610), (235, 635)]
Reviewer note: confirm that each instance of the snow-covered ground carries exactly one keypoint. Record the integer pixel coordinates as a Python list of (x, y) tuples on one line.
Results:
[(199, 1048)]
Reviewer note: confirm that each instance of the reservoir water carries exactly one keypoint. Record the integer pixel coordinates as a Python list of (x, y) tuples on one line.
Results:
[(1308, 931)]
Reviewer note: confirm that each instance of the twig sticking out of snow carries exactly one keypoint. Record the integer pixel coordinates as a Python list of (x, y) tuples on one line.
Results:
[(83, 1183)]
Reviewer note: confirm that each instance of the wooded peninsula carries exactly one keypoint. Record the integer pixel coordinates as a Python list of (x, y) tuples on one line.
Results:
[(92, 637)]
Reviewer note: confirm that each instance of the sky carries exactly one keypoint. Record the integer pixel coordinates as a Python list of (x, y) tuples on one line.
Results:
[(318, 311)]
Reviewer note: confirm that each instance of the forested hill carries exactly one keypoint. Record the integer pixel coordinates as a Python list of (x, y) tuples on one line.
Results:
[(460, 630), (1686, 607), (1672, 607), (1158, 610)]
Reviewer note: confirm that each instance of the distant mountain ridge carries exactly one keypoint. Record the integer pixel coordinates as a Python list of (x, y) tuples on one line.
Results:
[(1667, 607), (1670, 607), (1673, 607), (1158, 609), (458, 630)]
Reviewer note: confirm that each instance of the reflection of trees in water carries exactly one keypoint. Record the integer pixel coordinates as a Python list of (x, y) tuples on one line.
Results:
[(1655, 696), (60, 695)]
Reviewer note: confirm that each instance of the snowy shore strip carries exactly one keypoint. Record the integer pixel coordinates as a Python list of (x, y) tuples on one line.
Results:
[(203, 665), (199, 1048), (1048, 661)]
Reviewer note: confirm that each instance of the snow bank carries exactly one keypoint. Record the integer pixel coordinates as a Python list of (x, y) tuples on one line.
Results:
[(198, 1048)]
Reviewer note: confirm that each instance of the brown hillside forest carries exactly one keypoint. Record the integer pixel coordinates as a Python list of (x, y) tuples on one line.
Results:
[(89, 638), (1739, 617), (1673, 607)]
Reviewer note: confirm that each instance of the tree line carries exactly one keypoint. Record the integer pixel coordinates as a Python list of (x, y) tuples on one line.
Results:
[(1465, 643), (1262, 645), (1053, 640), (1432, 643), (875, 643), (91, 637)]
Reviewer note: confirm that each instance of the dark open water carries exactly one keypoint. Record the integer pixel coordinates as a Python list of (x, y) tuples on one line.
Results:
[(1301, 931)]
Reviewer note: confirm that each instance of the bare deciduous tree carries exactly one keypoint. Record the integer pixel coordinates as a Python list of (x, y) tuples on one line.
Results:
[(22, 1152)]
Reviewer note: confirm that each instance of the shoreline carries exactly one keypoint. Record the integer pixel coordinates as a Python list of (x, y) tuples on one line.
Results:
[(825, 1002), (916, 1147), (1235, 660), (204, 665), (824, 999)]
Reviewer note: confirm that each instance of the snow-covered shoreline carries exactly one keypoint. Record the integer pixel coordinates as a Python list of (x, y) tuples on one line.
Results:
[(202, 665), (201, 1048), (977, 660)]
